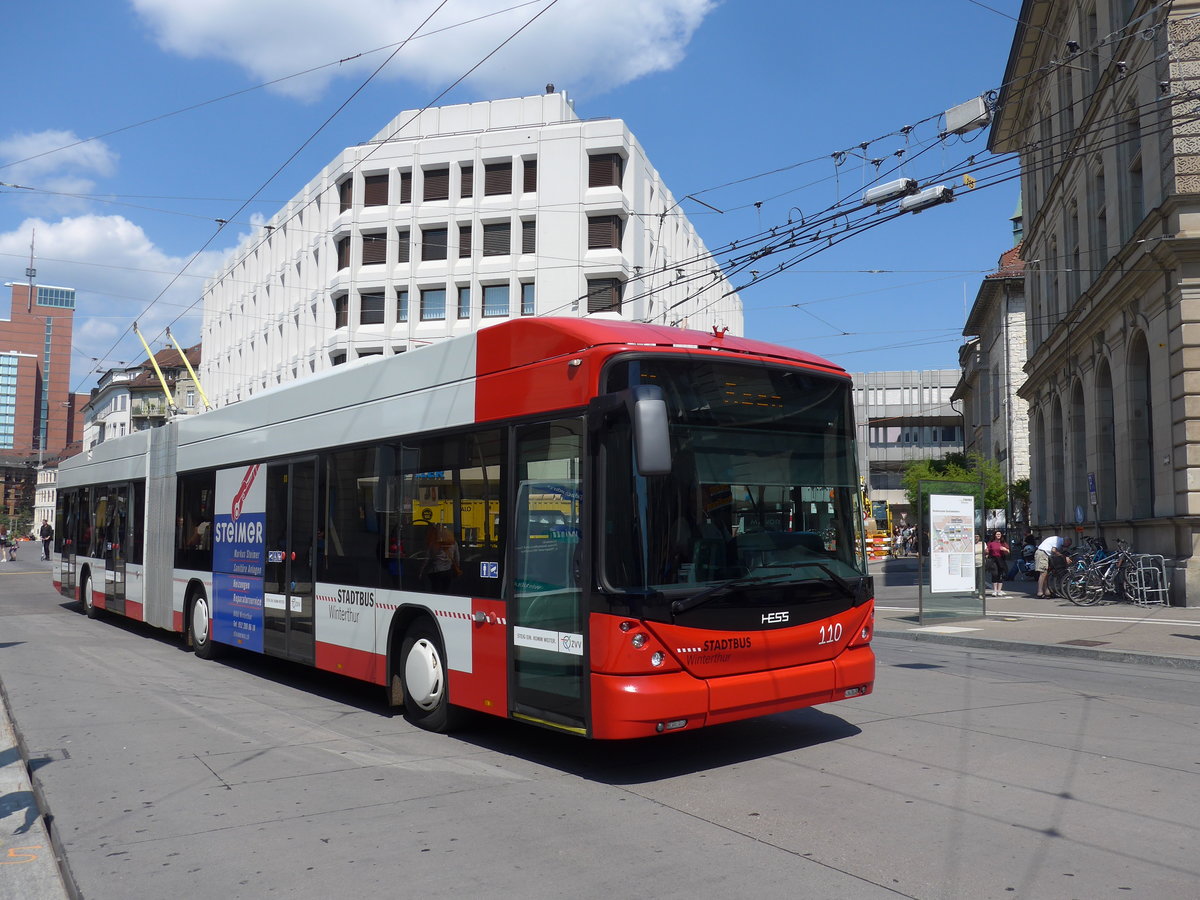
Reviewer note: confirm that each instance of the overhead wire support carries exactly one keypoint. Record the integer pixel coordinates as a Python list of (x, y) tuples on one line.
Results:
[(191, 372), (157, 371)]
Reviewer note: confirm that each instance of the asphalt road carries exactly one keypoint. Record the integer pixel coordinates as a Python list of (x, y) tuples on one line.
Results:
[(966, 774)]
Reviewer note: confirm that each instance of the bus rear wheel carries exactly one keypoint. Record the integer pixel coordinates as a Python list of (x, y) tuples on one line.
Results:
[(85, 594), (426, 693), (200, 627)]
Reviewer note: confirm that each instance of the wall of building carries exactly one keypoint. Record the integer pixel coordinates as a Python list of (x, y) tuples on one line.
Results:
[(41, 331), (901, 417), (272, 314), (1112, 207)]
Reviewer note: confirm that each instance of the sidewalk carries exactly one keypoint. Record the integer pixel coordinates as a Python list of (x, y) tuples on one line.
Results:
[(27, 864), (1116, 632)]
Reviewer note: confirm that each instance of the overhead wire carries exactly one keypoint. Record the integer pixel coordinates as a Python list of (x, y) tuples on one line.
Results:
[(666, 268)]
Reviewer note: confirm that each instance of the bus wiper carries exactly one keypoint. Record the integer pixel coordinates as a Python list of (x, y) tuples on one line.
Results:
[(843, 585), (682, 606)]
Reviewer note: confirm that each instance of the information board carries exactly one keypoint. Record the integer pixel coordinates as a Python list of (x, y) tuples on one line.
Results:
[(952, 543)]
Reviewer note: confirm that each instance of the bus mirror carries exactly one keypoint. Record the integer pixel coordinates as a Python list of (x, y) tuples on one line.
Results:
[(650, 435)]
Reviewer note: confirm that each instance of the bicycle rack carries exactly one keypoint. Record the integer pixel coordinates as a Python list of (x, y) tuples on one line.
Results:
[(1148, 583)]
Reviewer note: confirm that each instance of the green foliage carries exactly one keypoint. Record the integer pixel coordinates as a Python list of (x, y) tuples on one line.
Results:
[(959, 467)]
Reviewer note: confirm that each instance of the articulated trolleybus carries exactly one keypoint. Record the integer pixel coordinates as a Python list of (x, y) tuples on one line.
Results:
[(611, 529)]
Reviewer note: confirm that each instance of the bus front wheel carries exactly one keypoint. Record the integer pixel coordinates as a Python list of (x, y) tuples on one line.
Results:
[(200, 627), (426, 694), (85, 594)]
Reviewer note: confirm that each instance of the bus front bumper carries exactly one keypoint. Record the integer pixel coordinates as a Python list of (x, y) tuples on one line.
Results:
[(633, 706)]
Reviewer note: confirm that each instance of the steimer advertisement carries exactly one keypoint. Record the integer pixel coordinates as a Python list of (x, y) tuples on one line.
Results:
[(239, 557), (952, 543)]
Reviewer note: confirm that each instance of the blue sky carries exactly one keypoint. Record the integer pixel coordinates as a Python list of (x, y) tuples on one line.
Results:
[(715, 91)]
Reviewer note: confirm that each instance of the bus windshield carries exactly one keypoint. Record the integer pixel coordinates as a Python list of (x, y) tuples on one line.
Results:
[(763, 486)]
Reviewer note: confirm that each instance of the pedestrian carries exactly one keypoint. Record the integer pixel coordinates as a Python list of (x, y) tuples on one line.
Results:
[(47, 535), (997, 561), (1053, 550)]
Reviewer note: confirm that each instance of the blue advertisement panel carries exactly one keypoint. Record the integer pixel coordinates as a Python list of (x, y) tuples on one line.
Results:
[(238, 610), (239, 556)]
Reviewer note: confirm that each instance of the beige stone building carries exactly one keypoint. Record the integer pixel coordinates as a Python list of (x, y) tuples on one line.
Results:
[(1100, 100), (995, 417)]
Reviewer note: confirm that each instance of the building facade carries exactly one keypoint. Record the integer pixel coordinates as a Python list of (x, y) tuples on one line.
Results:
[(901, 417), (132, 399), (995, 416), (45, 497), (448, 220), (1110, 159), (36, 404)]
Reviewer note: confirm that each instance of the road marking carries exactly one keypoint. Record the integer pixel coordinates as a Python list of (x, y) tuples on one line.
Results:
[(1079, 618)]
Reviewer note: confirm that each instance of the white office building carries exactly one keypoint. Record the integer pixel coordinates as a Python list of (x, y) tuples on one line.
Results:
[(450, 220)]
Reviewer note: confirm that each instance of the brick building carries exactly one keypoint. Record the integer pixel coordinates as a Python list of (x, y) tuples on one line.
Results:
[(38, 413)]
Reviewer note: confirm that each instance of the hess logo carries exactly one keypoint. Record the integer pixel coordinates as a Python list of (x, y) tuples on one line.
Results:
[(774, 618)]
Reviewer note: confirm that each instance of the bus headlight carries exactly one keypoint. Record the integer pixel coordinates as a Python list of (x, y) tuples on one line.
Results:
[(639, 640), (658, 658)]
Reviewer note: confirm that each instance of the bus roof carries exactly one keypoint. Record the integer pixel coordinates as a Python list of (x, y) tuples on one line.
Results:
[(447, 384), (520, 342)]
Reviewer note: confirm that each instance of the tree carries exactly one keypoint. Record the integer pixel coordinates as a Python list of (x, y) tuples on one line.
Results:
[(1020, 499), (958, 467)]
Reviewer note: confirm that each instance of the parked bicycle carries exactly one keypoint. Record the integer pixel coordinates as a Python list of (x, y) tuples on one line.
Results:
[(1092, 579)]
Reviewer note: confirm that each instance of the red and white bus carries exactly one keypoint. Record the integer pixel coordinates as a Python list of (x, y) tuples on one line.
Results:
[(607, 528)]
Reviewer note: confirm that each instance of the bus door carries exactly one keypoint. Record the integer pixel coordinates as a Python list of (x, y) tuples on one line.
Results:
[(288, 585), (116, 515), (67, 533), (547, 621)]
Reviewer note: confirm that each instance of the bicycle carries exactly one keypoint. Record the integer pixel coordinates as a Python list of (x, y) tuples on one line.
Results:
[(1102, 575)]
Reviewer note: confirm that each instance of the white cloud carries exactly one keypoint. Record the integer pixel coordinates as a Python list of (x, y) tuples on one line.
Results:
[(116, 271), (56, 164), (587, 46)]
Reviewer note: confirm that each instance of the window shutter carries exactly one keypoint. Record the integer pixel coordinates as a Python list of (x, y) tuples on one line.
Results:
[(345, 194), (464, 241), (375, 190), (468, 182), (374, 249), (370, 309), (497, 239), (604, 170), (603, 295), (343, 252), (433, 243), (529, 236), (530, 185), (604, 231), (497, 178), (437, 184), (406, 187), (402, 252)]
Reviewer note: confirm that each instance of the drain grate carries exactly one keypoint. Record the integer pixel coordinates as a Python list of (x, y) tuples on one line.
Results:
[(1083, 643)]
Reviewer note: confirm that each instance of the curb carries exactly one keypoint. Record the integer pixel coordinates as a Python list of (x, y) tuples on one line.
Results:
[(1181, 663), (48, 877)]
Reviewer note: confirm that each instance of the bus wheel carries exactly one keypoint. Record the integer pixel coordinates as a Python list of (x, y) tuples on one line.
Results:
[(85, 594), (426, 698), (200, 626)]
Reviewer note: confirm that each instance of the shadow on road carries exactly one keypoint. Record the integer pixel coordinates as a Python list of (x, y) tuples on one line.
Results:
[(606, 762), (655, 759)]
